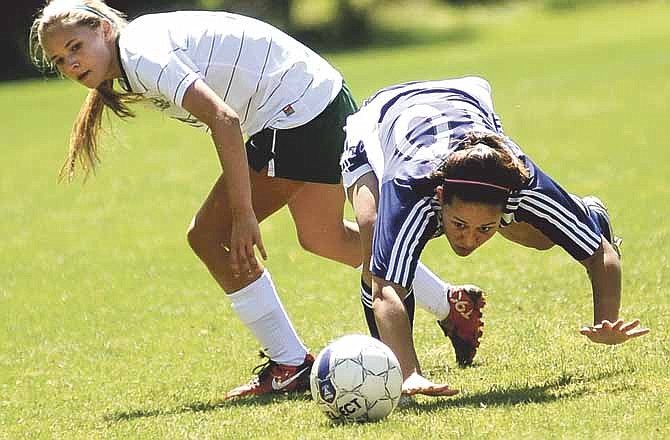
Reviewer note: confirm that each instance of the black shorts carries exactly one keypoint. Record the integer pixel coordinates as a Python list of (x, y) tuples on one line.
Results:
[(309, 153)]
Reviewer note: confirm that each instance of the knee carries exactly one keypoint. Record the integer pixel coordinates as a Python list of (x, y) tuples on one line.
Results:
[(386, 298), (201, 239), (366, 223), (194, 236), (310, 242)]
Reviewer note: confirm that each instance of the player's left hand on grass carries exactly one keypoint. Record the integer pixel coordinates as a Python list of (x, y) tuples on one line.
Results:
[(612, 333), (417, 384)]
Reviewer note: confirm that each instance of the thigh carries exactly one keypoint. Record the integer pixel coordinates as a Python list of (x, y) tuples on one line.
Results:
[(318, 207), (268, 196), (364, 197)]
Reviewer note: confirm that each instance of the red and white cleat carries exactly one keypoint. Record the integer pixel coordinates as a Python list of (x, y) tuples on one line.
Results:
[(272, 377), (464, 322)]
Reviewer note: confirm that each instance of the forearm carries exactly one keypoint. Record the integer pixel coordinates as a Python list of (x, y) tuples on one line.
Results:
[(604, 270), (393, 324), (224, 124), (231, 152)]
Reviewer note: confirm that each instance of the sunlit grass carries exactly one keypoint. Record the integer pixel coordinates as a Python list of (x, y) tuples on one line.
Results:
[(111, 328)]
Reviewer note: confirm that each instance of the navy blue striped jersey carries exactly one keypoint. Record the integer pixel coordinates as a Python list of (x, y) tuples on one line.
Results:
[(405, 132)]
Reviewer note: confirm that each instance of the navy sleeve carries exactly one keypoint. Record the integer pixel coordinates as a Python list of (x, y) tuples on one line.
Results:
[(405, 223), (559, 215)]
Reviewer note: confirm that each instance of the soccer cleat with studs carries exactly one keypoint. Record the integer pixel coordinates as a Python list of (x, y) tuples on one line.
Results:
[(272, 377), (463, 324)]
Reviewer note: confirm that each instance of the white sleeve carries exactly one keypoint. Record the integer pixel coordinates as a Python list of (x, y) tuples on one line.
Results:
[(169, 73)]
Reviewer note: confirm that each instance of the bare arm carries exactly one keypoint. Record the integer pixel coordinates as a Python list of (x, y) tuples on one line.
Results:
[(393, 323), (203, 103), (396, 332), (604, 269)]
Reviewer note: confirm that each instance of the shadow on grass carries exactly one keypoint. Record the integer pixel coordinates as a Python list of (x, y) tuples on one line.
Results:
[(197, 407), (565, 386)]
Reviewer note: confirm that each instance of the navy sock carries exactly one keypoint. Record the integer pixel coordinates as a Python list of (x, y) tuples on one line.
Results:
[(410, 305), (366, 301)]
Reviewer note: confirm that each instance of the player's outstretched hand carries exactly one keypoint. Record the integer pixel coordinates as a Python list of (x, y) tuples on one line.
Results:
[(613, 333), (417, 384)]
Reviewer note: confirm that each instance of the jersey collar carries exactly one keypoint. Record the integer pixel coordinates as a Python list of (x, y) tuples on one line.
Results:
[(123, 80)]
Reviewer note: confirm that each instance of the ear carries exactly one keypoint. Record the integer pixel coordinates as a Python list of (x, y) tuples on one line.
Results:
[(107, 28), (439, 190)]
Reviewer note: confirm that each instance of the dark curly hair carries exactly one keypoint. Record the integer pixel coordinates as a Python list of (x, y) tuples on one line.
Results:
[(482, 169)]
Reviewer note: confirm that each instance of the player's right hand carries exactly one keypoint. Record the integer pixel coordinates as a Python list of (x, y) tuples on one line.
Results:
[(617, 332), (244, 236)]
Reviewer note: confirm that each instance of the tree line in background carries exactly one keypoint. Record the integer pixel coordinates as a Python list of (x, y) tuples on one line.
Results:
[(350, 25)]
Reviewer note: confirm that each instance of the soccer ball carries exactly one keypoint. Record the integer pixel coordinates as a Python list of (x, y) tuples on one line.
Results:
[(356, 378)]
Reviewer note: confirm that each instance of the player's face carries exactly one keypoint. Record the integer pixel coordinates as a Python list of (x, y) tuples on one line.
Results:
[(83, 54), (469, 225)]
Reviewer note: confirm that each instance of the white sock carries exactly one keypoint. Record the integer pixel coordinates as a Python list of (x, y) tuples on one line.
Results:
[(430, 292), (261, 311)]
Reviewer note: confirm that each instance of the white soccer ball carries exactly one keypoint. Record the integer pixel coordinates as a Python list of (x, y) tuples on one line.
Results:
[(356, 378)]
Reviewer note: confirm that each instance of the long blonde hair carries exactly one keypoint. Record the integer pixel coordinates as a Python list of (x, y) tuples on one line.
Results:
[(84, 142)]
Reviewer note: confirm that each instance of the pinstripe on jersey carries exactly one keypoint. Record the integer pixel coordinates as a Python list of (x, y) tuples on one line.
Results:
[(267, 77)]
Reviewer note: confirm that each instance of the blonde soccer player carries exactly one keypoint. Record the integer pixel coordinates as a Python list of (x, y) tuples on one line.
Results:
[(237, 78)]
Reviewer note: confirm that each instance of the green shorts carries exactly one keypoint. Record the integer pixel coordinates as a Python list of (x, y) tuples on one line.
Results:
[(309, 153)]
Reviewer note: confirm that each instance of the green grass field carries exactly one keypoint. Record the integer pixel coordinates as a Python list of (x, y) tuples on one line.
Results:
[(111, 328)]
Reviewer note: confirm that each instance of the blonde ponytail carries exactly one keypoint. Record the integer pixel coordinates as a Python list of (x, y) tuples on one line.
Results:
[(84, 138)]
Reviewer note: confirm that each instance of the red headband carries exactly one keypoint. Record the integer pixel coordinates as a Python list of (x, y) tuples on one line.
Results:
[(475, 182)]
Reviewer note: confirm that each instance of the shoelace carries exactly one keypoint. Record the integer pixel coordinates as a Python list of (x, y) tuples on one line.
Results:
[(262, 370)]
